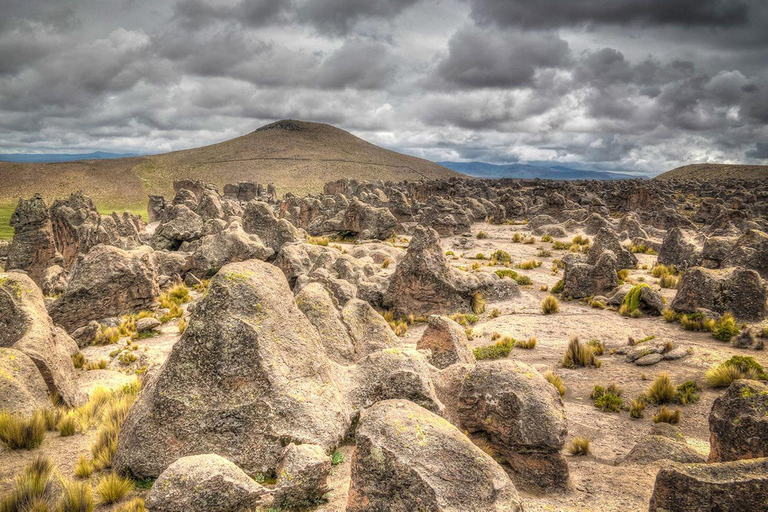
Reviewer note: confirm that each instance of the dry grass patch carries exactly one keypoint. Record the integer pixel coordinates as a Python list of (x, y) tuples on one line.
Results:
[(579, 446), (556, 381), (113, 488), (579, 355), (75, 497), (550, 305), (667, 415), (22, 433)]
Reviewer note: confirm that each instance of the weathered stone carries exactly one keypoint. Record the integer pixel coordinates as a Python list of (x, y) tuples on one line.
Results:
[(107, 282), (738, 422), (302, 476), (22, 388), (26, 326), (247, 376), (680, 249), (425, 283), (606, 240), (259, 219), (580, 279), (147, 324), (33, 248), (662, 444), (738, 485), (409, 459), (229, 246), (737, 290), (369, 222), (180, 224), (368, 329), (205, 482), (315, 302), (447, 342), (649, 359), (523, 417)]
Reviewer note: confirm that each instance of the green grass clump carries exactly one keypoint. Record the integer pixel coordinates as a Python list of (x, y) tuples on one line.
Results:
[(631, 302), (337, 458), (496, 350), (670, 315), (21, 433), (547, 238), (561, 246), (113, 488), (6, 211), (580, 240), (607, 399), (668, 281), (501, 256), (177, 295), (558, 288), (79, 360), (137, 505), (32, 489), (481, 235), (667, 415), (579, 446), (556, 381), (687, 393), (696, 322), (737, 367), (636, 408), (663, 270), (661, 391), (511, 274), (598, 347), (725, 328), (107, 336), (68, 425), (550, 305), (579, 355)]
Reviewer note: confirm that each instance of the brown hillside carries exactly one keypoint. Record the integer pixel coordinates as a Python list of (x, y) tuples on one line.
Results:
[(297, 156), (717, 172)]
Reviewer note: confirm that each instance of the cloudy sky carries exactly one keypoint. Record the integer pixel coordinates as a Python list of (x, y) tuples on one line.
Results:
[(641, 85)]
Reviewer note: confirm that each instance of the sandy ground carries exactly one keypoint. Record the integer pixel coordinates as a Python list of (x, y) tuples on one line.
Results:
[(599, 482)]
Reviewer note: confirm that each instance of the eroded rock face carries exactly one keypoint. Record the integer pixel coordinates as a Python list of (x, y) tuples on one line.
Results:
[(409, 459), (26, 326), (738, 485), (229, 246), (318, 306), (737, 290), (107, 282), (369, 222), (664, 441), (581, 279), (606, 240), (259, 219), (33, 248), (368, 329), (681, 249), (179, 224), (738, 422), (302, 476), (205, 482), (248, 375), (522, 415), (22, 388), (425, 283), (447, 342)]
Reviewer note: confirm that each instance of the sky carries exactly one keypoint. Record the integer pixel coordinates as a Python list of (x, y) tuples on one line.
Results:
[(638, 85)]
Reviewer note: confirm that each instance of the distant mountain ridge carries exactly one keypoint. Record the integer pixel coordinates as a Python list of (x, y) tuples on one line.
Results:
[(60, 157), (525, 171)]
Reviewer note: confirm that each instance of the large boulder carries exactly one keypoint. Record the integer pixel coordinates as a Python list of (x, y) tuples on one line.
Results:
[(179, 224), (681, 249), (737, 290), (393, 373), (107, 282), (738, 486), (22, 388), (447, 342), (26, 326), (522, 416), (302, 476), (205, 482), (368, 329), (318, 306), (229, 246), (425, 283), (606, 240), (663, 442), (259, 219), (581, 279), (33, 248), (409, 459), (750, 251), (738, 422), (369, 222), (248, 376)]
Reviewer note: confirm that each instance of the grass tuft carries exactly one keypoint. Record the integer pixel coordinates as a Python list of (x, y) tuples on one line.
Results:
[(737, 367), (18, 432), (478, 303), (725, 328), (579, 355), (661, 391), (556, 381), (113, 488), (496, 350), (550, 305), (636, 408), (667, 415), (528, 344), (75, 497), (579, 446)]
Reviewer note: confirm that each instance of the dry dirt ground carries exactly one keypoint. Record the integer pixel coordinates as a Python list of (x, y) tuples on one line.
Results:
[(599, 482)]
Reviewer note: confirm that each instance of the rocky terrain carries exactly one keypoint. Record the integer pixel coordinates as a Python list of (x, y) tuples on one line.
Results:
[(441, 345)]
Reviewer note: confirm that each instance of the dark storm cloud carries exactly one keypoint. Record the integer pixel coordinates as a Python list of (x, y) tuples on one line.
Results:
[(633, 84), (557, 13), (481, 58)]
